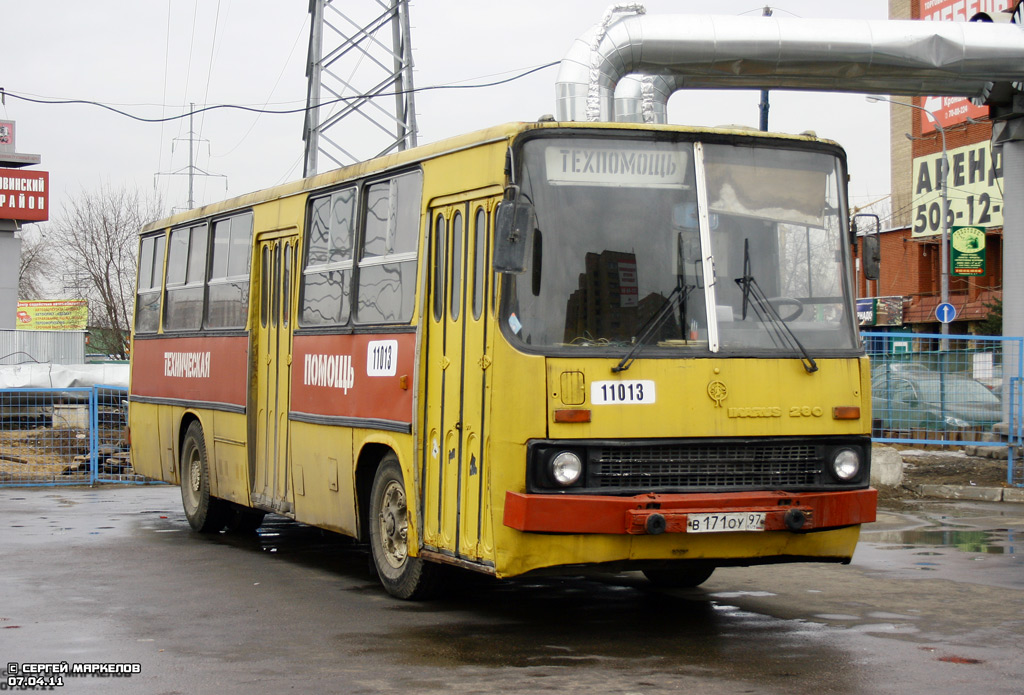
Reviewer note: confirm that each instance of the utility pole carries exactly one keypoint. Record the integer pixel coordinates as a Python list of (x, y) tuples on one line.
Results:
[(944, 192), (764, 105), (191, 170)]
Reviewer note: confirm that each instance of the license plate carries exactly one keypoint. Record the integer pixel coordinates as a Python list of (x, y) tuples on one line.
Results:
[(725, 521)]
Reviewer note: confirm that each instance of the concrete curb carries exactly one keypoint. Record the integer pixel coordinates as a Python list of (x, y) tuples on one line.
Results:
[(971, 492), (887, 471), (960, 492)]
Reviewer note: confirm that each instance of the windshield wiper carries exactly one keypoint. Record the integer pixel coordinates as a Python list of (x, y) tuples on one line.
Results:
[(679, 294), (747, 281), (754, 296)]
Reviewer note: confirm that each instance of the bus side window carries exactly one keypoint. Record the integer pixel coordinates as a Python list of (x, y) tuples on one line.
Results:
[(440, 232), (275, 287), (228, 295), (151, 274), (387, 262), (265, 286), (286, 286), (479, 259), (186, 269), (327, 274), (456, 266)]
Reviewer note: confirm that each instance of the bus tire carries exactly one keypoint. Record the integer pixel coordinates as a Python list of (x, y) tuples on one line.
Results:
[(205, 514), (685, 577), (403, 576)]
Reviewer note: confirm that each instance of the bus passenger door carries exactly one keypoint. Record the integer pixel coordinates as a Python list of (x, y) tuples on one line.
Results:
[(454, 483), (271, 487), (474, 518)]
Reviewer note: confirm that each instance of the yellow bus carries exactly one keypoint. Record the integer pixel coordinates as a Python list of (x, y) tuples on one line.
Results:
[(538, 348)]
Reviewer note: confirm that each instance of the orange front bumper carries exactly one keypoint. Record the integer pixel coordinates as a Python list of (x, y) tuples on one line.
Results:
[(632, 515)]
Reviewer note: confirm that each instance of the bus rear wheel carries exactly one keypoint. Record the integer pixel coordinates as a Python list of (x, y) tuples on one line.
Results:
[(403, 576), (205, 514), (679, 577)]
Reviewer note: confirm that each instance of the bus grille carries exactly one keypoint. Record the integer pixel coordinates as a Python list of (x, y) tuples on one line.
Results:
[(686, 466)]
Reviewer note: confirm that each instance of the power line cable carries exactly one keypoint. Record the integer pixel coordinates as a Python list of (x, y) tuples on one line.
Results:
[(209, 67), (209, 76), (188, 65), (278, 112), (163, 94), (302, 30)]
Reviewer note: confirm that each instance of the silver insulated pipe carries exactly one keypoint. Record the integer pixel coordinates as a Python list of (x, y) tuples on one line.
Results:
[(837, 55), (644, 98)]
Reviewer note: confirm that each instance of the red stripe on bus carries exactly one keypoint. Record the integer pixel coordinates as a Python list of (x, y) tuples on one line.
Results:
[(212, 369), (364, 376)]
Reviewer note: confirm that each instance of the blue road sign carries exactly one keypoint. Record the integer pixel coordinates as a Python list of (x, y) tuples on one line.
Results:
[(945, 312)]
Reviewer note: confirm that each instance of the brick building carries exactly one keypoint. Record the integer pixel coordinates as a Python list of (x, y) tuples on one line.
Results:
[(910, 237)]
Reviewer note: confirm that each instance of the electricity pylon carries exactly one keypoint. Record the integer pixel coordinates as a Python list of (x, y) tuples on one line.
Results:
[(359, 65)]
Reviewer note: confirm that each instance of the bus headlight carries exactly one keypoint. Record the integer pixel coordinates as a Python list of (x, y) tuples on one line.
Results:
[(565, 468), (846, 464)]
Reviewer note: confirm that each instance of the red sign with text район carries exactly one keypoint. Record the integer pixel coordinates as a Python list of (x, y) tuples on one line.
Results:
[(24, 195)]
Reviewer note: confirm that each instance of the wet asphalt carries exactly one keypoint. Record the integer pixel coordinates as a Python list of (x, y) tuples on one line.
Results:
[(113, 576)]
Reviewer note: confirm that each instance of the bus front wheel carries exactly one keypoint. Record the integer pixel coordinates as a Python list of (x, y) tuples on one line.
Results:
[(205, 514), (403, 576), (679, 577)]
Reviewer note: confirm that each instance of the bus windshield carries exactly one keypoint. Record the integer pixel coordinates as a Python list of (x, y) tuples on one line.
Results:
[(683, 246)]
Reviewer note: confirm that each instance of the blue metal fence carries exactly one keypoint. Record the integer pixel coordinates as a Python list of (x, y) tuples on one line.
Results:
[(927, 389), (64, 436), (949, 391)]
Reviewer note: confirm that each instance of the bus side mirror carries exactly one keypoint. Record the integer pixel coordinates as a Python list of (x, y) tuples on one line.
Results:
[(513, 222), (871, 256)]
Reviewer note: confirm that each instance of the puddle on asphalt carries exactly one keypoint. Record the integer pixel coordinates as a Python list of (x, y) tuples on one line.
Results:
[(948, 543), (991, 542), (611, 622), (295, 542)]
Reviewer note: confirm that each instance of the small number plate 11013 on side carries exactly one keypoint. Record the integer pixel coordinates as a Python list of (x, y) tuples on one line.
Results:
[(622, 392)]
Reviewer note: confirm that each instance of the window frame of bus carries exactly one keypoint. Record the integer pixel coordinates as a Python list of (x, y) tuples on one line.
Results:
[(508, 298), (329, 267), (183, 289), (155, 274), (228, 280), (400, 258), (359, 260)]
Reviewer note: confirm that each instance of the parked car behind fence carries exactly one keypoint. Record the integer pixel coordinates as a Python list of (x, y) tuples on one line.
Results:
[(932, 403)]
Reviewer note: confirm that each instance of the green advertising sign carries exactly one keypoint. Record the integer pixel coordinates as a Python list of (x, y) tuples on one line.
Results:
[(967, 251)]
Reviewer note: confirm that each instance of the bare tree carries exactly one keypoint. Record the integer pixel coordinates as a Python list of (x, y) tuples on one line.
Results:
[(37, 265), (95, 238)]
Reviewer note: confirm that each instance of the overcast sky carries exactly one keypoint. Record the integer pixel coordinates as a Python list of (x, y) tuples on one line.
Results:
[(155, 57)]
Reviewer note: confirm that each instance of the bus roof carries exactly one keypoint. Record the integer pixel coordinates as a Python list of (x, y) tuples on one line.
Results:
[(497, 133)]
